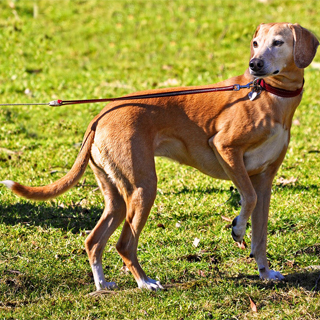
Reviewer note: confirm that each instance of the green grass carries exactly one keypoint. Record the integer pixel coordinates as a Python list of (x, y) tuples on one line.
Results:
[(93, 49)]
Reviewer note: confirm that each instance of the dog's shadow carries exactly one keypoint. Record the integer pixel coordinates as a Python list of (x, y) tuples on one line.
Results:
[(73, 217), (76, 217), (308, 279)]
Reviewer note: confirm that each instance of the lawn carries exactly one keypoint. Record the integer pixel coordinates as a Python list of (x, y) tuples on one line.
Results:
[(80, 49)]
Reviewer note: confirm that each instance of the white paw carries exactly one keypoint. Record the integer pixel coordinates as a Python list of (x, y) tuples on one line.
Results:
[(271, 275), (150, 284), (110, 286), (103, 285)]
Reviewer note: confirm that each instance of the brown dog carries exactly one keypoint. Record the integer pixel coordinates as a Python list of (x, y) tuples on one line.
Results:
[(223, 134)]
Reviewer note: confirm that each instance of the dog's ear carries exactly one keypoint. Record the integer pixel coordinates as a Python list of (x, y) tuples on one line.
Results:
[(305, 45), (255, 34)]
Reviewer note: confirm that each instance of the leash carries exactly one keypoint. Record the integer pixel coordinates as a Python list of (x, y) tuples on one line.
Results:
[(257, 86), (58, 103)]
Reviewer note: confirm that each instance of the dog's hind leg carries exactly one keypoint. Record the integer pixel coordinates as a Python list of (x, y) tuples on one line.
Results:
[(259, 220), (113, 214), (139, 203)]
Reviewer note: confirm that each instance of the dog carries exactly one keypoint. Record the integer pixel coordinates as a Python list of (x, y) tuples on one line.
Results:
[(226, 135)]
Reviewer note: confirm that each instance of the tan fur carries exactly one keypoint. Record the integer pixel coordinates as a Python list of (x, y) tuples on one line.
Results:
[(223, 134)]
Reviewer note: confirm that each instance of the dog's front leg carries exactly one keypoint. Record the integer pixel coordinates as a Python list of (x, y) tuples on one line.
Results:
[(231, 160), (262, 184)]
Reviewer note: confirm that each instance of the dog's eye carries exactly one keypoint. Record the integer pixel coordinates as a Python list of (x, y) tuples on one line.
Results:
[(255, 44), (277, 43)]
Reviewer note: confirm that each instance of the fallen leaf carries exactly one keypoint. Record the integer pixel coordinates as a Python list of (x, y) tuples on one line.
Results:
[(226, 219), (253, 305), (242, 245), (283, 182), (7, 151), (202, 274)]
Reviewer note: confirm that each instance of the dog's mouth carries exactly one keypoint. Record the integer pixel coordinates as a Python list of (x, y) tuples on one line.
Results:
[(262, 74)]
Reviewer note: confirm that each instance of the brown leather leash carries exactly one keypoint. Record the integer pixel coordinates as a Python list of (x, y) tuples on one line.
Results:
[(148, 96), (257, 86)]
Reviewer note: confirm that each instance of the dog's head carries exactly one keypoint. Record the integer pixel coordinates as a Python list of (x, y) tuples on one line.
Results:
[(277, 47)]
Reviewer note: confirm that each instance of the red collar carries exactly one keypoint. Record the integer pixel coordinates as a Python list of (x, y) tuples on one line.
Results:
[(279, 92)]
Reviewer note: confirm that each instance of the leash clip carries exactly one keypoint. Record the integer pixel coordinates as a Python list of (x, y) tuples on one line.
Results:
[(55, 103), (249, 85)]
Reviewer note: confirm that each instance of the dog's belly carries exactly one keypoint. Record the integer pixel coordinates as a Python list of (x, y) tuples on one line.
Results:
[(199, 157), (257, 159), (203, 158)]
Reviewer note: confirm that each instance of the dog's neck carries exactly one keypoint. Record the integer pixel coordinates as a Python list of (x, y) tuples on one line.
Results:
[(290, 81)]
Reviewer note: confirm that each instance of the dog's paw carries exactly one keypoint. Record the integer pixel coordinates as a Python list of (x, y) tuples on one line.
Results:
[(238, 231), (110, 286), (107, 286), (271, 275), (150, 284)]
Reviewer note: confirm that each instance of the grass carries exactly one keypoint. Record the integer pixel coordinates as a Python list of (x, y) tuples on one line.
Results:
[(92, 49)]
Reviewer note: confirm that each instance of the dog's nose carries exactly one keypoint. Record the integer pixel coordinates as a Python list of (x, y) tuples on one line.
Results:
[(256, 64)]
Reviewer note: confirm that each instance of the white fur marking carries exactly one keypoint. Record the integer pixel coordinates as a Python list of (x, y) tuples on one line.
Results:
[(268, 151), (99, 279), (8, 183)]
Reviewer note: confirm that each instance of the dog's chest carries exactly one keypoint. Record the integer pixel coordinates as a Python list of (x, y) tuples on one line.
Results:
[(269, 151)]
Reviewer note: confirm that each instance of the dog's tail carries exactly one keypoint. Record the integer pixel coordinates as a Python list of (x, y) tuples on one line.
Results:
[(62, 185)]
